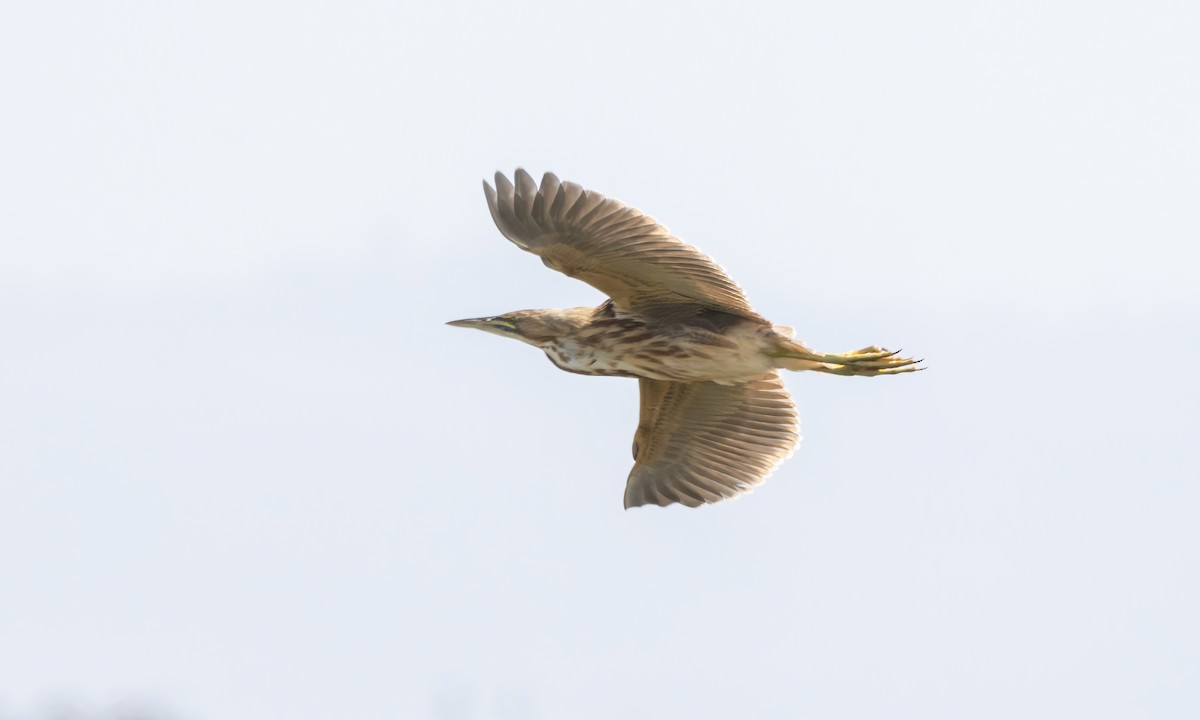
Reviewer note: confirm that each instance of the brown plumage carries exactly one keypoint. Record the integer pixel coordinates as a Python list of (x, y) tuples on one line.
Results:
[(715, 417)]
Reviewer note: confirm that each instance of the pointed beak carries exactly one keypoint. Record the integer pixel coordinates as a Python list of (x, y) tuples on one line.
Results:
[(494, 325), (477, 323)]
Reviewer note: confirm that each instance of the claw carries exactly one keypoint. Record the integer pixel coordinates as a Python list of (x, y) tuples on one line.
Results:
[(871, 360), (870, 366)]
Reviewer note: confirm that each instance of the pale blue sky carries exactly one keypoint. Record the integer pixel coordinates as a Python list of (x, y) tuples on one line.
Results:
[(246, 472)]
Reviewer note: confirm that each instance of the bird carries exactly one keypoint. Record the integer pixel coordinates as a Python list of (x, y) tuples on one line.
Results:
[(715, 418)]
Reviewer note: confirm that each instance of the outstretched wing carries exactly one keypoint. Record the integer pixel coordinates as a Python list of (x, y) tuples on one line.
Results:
[(702, 442), (614, 248)]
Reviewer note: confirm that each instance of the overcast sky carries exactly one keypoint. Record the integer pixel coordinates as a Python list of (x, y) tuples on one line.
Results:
[(246, 472)]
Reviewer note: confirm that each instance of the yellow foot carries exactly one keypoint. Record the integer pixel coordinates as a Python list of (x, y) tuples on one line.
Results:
[(867, 362)]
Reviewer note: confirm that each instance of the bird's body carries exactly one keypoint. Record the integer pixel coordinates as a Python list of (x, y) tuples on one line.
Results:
[(715, 417), (714, 347)]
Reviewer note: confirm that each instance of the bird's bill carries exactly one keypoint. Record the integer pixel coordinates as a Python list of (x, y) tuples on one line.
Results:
[(486, 324)]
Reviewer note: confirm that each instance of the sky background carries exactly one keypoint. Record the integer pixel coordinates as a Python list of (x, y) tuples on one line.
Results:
[(246, 472)]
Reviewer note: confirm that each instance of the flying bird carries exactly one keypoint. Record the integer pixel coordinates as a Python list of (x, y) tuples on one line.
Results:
[(715, 417)]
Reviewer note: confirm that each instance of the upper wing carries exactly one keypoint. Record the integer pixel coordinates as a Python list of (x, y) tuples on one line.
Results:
[(702, 442), (614, 248)]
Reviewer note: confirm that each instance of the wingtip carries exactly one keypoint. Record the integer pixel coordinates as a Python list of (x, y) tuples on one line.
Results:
[(526, 187), (522, 178), (490, 194), (502, 183)]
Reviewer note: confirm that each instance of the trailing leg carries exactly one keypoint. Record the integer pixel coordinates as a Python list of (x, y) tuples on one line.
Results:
[(866, 362)]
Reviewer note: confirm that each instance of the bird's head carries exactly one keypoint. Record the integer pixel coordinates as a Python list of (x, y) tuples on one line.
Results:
[(535, 327)]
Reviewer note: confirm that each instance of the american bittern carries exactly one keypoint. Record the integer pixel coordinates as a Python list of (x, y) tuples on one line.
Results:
[(715, 417)]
